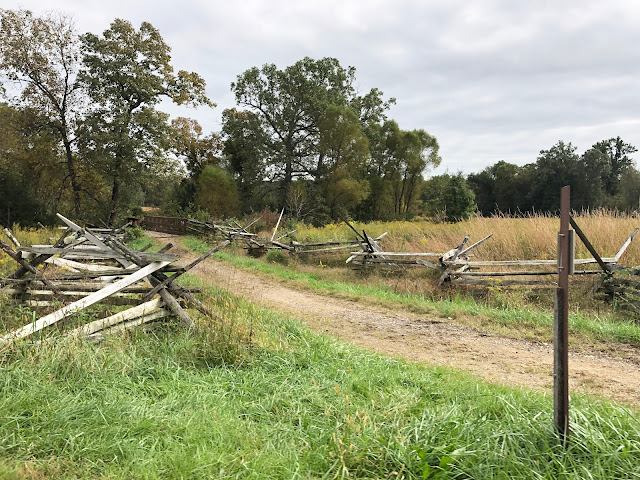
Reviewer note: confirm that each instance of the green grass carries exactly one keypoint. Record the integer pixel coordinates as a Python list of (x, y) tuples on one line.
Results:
[(521, 320), (255, 394), (291, 404)]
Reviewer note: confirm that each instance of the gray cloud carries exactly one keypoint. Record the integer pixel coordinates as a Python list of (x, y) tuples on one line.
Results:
[(492, 80)]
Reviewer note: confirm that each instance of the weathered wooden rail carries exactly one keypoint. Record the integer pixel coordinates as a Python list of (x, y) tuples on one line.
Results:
[(98, 269), (456, 266)]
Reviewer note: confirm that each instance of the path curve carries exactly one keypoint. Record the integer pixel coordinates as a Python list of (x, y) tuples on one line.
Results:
[(432, 341)]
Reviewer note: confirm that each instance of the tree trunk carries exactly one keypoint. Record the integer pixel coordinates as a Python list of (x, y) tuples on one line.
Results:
[(115, 201), (71, 170), (287, 181)]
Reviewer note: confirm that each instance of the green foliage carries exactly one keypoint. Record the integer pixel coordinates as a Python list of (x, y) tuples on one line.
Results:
[(628, 196), (447, 197), (217, 193), (28, 166), (308, 122), (398, 160), (616, 154), (126, 73), (189, 144), (276, 255), (41, 54), (133, 233), (595, 177), (245, 151)]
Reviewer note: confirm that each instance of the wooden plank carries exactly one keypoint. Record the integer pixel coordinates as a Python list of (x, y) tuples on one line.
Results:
[(9, 251), (170, 302), (324, 244), (424, 263), (561, 318), (75, 307), (625, 245), (129, 314), (37, 286), (91, 237), (592, 251), (10, 236), (41, 258), (500, 283), (447, 258), (170, 280), (524, 263), (282, 246), (88, 267), (479, 242), (328, 249), (525, 273), (452, 254), (396, 254), (136, 322), (277, 225), (93, 253)]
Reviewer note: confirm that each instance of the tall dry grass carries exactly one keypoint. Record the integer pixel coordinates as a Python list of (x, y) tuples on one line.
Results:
[(27, 237), (528, 238)]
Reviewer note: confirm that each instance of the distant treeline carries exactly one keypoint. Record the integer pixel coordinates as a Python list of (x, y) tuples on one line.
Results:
[(80, 133)]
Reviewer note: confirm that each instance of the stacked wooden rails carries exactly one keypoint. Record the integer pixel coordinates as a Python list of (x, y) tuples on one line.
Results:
[(458, 267), (85, 268), (233, 231)]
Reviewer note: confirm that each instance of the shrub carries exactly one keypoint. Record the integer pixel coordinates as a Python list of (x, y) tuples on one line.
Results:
[(133, 233), (277, 256)]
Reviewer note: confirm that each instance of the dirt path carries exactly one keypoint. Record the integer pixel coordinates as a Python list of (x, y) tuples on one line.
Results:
[(435, 341)]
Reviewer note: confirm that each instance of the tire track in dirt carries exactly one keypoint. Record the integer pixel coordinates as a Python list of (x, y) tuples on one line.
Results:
[(422, 339)]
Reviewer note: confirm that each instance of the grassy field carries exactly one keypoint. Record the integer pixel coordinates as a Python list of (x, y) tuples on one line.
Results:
[(273, 400), (516, 312), (528, 238), (255, 394)]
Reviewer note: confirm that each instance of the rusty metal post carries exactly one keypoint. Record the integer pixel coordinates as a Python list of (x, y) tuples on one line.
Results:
[(561, 324)]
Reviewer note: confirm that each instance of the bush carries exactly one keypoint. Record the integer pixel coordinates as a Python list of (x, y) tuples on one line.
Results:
[(133, 233), (277, 256)]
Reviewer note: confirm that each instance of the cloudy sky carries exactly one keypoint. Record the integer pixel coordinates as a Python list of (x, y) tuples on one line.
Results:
[(491, 80)]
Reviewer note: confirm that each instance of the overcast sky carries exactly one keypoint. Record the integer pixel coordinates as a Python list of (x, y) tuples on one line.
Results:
[(491, 80)]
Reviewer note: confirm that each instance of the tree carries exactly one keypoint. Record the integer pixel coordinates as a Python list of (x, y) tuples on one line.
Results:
[(245, 149), (217, 193), (42, 55), (448, 197), (343, 151), (190, 145), (617, 154), (503, 187), (590, 180), (30, 179), (399, 158), (555, 168), (126, 73), (628, 196), (290, 103)]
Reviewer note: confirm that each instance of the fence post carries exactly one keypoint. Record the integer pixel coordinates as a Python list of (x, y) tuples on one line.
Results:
[(561, 324)]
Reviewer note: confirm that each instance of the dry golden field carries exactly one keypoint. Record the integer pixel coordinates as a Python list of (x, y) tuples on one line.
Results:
[(532, 237)]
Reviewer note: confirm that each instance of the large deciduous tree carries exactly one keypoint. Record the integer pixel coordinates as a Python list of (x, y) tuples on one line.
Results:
[(290, 104), (398, 160), (448, 198), (246, 147), (41, 55), (30, 177), (617, 156), (127, 71)]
